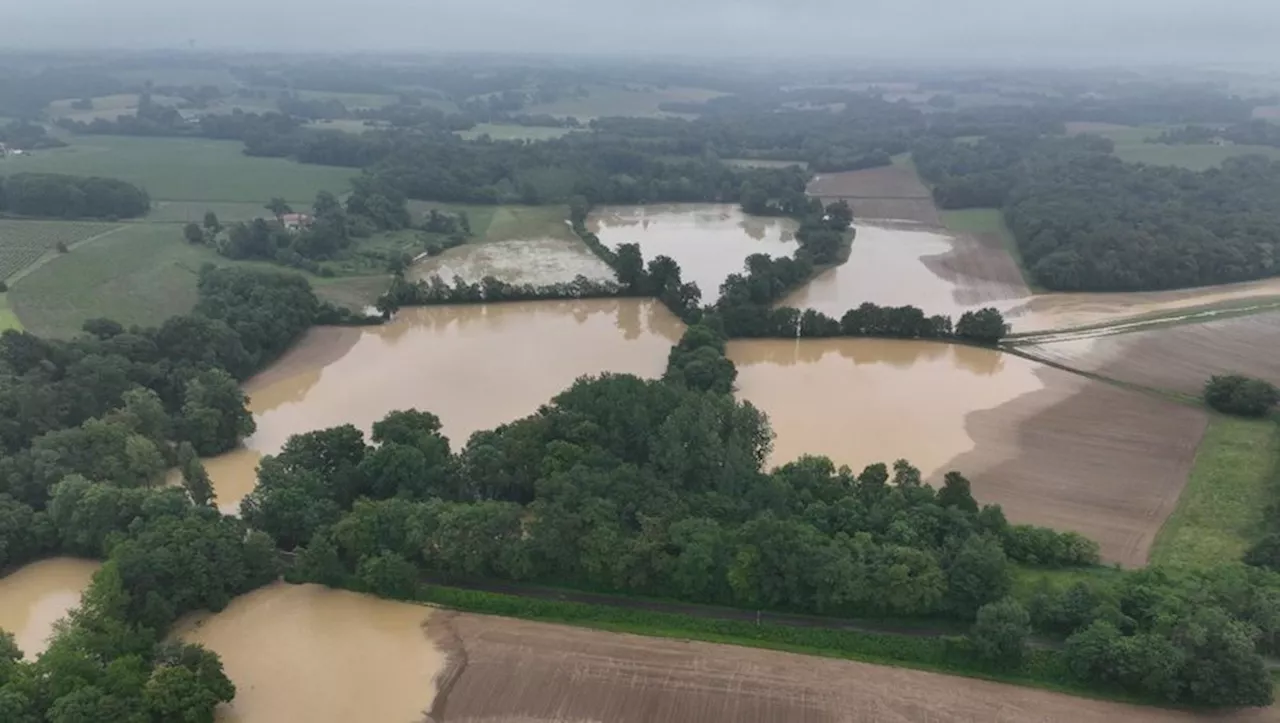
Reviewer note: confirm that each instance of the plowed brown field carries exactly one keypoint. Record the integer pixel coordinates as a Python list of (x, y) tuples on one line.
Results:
[(512, 671), (1087, 456), (1180, 358), (891, 193)]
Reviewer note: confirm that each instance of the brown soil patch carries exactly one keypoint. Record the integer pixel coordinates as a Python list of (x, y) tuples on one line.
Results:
[(1087, 456), (513, 671), (885, 193), (1180, 358), (981, 269)]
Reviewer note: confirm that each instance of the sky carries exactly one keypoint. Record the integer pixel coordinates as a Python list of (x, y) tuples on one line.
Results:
[(1093, 31)]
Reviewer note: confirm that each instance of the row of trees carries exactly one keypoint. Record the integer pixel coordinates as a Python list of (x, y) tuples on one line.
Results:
[(1084, 220), (435, 290), (52, 195)]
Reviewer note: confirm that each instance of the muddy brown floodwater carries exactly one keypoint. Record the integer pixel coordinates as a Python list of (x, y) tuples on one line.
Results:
[(309, 653), (475, 366), (861, 401), (35, 596), (1052, 448), (709, 241)]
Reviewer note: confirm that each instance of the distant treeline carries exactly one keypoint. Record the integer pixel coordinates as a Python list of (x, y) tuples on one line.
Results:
[(51, 195), (1253, 133), (1084, 220)]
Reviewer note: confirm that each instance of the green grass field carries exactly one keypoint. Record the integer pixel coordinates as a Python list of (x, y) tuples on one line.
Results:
[(8, 319), (1220, 512), (141, 274), (506, 223), (505, 132), (186, 169), (1131, 146), (23, 243), (350, 100), (227, 212), (614, 101)]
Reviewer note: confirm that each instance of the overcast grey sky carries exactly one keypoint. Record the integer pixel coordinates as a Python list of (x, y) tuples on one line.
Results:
[(1097, 30)]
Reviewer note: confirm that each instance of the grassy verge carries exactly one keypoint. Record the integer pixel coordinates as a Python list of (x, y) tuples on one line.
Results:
[(1220, 511), (8, 319), (1043, 668)]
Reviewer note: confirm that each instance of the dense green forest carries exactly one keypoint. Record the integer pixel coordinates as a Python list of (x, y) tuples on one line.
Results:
[(1084, 220), (52, 195)]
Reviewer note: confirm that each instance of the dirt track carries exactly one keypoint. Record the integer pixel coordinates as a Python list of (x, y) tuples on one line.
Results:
[(512, 671), (1180, 358), (1087, 456)]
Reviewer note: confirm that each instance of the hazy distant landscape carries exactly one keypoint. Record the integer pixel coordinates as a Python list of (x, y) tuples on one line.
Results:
[(639, 379)]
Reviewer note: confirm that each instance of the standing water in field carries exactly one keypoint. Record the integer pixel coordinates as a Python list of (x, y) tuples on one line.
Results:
[(862, 401), (537, 261), (708, 241), (309, 653), (473, 365), (35, 596)]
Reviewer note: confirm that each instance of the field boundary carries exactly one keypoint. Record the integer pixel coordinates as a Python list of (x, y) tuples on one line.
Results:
[(51, 255)]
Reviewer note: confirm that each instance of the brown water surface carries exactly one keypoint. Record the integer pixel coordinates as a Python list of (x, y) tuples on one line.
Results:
[(475, 366), (309, 653), (35, 596), (862, 401), (709, 241)]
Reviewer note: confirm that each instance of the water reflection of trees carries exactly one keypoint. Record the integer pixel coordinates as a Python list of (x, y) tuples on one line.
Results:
[(897, 353)]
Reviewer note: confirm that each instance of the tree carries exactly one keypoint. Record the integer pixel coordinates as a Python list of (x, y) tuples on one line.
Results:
[(629, 266), (985, 326), (279, 207), (999, 635), (388, 575), (195, 480), (955, 493), (979, 573), (211, 223), (1241, 395), (193, 234), (213, 417)]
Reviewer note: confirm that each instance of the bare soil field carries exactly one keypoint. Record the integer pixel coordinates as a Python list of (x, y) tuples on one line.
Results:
[(885, 193), (1087, 456), (980, 268), (1180, 357), (511, 671)]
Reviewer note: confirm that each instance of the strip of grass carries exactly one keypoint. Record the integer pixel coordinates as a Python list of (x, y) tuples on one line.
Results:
[(8, 319), (1043, 668), (1220, 512)]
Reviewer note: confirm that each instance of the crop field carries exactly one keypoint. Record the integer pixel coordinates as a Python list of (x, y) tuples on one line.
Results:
[(107, 107), (891, 193), (1222, 509), (604, 101), (186, 169), (983, 262), (1179, 358), (1131, 146), (227, 211), (1087, 456), (506, 223), (141, 274), (511, 132), (23, 243), (514, 671)]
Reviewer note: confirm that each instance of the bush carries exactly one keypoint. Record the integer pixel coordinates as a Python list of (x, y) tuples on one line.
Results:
[(1240, 395), (999, 635)]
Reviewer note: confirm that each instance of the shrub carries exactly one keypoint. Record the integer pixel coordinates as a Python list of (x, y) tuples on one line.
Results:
[(1240, 395)]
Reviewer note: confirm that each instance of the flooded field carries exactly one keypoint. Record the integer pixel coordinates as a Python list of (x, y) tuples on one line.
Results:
[(1052, 448), (513, 671), (861, 401), (916, 265), (309, 653), (540, 261), (708, 241), (943, 273), (35, 596), (475, 366), (1180, 357)]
